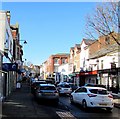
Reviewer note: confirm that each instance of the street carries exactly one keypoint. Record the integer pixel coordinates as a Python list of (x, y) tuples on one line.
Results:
[(78, 112), (22, 104)]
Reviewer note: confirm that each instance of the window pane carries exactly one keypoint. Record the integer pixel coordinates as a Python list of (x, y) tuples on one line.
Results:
[(98, 91)]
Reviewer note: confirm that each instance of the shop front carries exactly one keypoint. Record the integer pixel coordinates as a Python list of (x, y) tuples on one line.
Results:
[(88, 77), (110, 78)]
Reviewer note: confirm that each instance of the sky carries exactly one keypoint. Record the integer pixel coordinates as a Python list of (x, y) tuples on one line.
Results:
[(49, 27)]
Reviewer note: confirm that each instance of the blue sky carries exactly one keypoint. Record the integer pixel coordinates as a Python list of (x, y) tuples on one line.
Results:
[(49, 27)]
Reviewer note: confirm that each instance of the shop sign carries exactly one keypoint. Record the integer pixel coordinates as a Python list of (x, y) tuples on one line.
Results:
[(9, 66), (89, 73)]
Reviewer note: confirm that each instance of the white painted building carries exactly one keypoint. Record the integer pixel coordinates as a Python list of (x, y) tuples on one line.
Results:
[(84, 54), (6, 52), (106, 62), (6, 40), (64, 71)]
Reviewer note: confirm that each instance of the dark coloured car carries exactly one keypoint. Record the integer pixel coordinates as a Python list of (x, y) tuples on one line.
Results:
[(47, 92), (35, 84)]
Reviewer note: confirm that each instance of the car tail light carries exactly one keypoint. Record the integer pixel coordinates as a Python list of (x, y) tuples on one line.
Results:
[(110, 96), (56, 91), (91, 95)]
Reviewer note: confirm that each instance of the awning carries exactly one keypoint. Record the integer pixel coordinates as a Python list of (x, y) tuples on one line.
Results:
[(72, 74)]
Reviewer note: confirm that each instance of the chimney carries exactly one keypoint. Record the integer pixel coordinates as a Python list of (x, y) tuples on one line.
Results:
[(8, 16)]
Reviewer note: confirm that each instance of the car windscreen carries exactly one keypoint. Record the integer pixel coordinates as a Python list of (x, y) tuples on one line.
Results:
[(47, 88), (98, 91), (65, 86)]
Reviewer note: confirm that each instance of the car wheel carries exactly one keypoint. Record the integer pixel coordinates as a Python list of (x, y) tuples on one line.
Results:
[(84, 104), (109, 109), (71, 99)]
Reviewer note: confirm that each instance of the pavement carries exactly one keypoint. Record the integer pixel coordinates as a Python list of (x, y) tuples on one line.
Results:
[(19, 105), (116, 100)]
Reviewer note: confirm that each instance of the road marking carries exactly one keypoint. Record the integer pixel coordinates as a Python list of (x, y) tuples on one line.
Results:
[(65, 114)]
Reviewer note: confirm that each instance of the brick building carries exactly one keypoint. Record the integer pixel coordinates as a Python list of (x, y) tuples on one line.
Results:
[(50, 66)]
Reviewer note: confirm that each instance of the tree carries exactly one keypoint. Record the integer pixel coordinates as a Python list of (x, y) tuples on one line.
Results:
[(105, 21)]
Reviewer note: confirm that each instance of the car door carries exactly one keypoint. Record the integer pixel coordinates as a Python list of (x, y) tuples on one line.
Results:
[(81, 95), (76, 95)]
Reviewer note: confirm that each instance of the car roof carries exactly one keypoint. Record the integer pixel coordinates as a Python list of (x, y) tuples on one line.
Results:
[(47, 85), (39, 81), (91, 87), (63, 83)]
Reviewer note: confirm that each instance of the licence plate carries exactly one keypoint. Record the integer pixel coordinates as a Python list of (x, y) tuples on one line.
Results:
[(103, 104), (47, 93)]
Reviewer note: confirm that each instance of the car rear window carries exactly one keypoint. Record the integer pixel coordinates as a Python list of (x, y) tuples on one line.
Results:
[(98, 91), (65, 86), (47, 88)]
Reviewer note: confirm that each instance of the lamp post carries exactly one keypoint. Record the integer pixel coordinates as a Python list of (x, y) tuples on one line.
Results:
[(25, 42)]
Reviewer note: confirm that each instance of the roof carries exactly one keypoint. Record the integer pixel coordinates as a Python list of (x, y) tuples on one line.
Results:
[(88, 41), (104, 51), (62, 54), (77, 45), (72, 48)]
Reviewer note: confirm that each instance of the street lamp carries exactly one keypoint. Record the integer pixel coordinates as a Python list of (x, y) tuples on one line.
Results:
[(25, 42)]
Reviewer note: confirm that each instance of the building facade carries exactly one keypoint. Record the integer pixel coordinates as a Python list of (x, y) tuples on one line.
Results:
[(102, 64), (8, 53), (6, 49)]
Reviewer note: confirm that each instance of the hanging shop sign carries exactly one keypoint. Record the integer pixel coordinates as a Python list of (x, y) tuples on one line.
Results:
[(9, 66)]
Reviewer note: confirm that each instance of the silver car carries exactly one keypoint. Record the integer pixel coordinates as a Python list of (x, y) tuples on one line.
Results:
[(64, 88), (47, 91)]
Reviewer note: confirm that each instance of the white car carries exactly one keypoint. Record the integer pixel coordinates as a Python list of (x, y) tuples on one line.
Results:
[(92, 97), (64, 88)]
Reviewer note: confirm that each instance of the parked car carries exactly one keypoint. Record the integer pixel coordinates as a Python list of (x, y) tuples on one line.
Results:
[(73, 86), (47, 91), (35, 84), (64, 88), (89, 96)]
